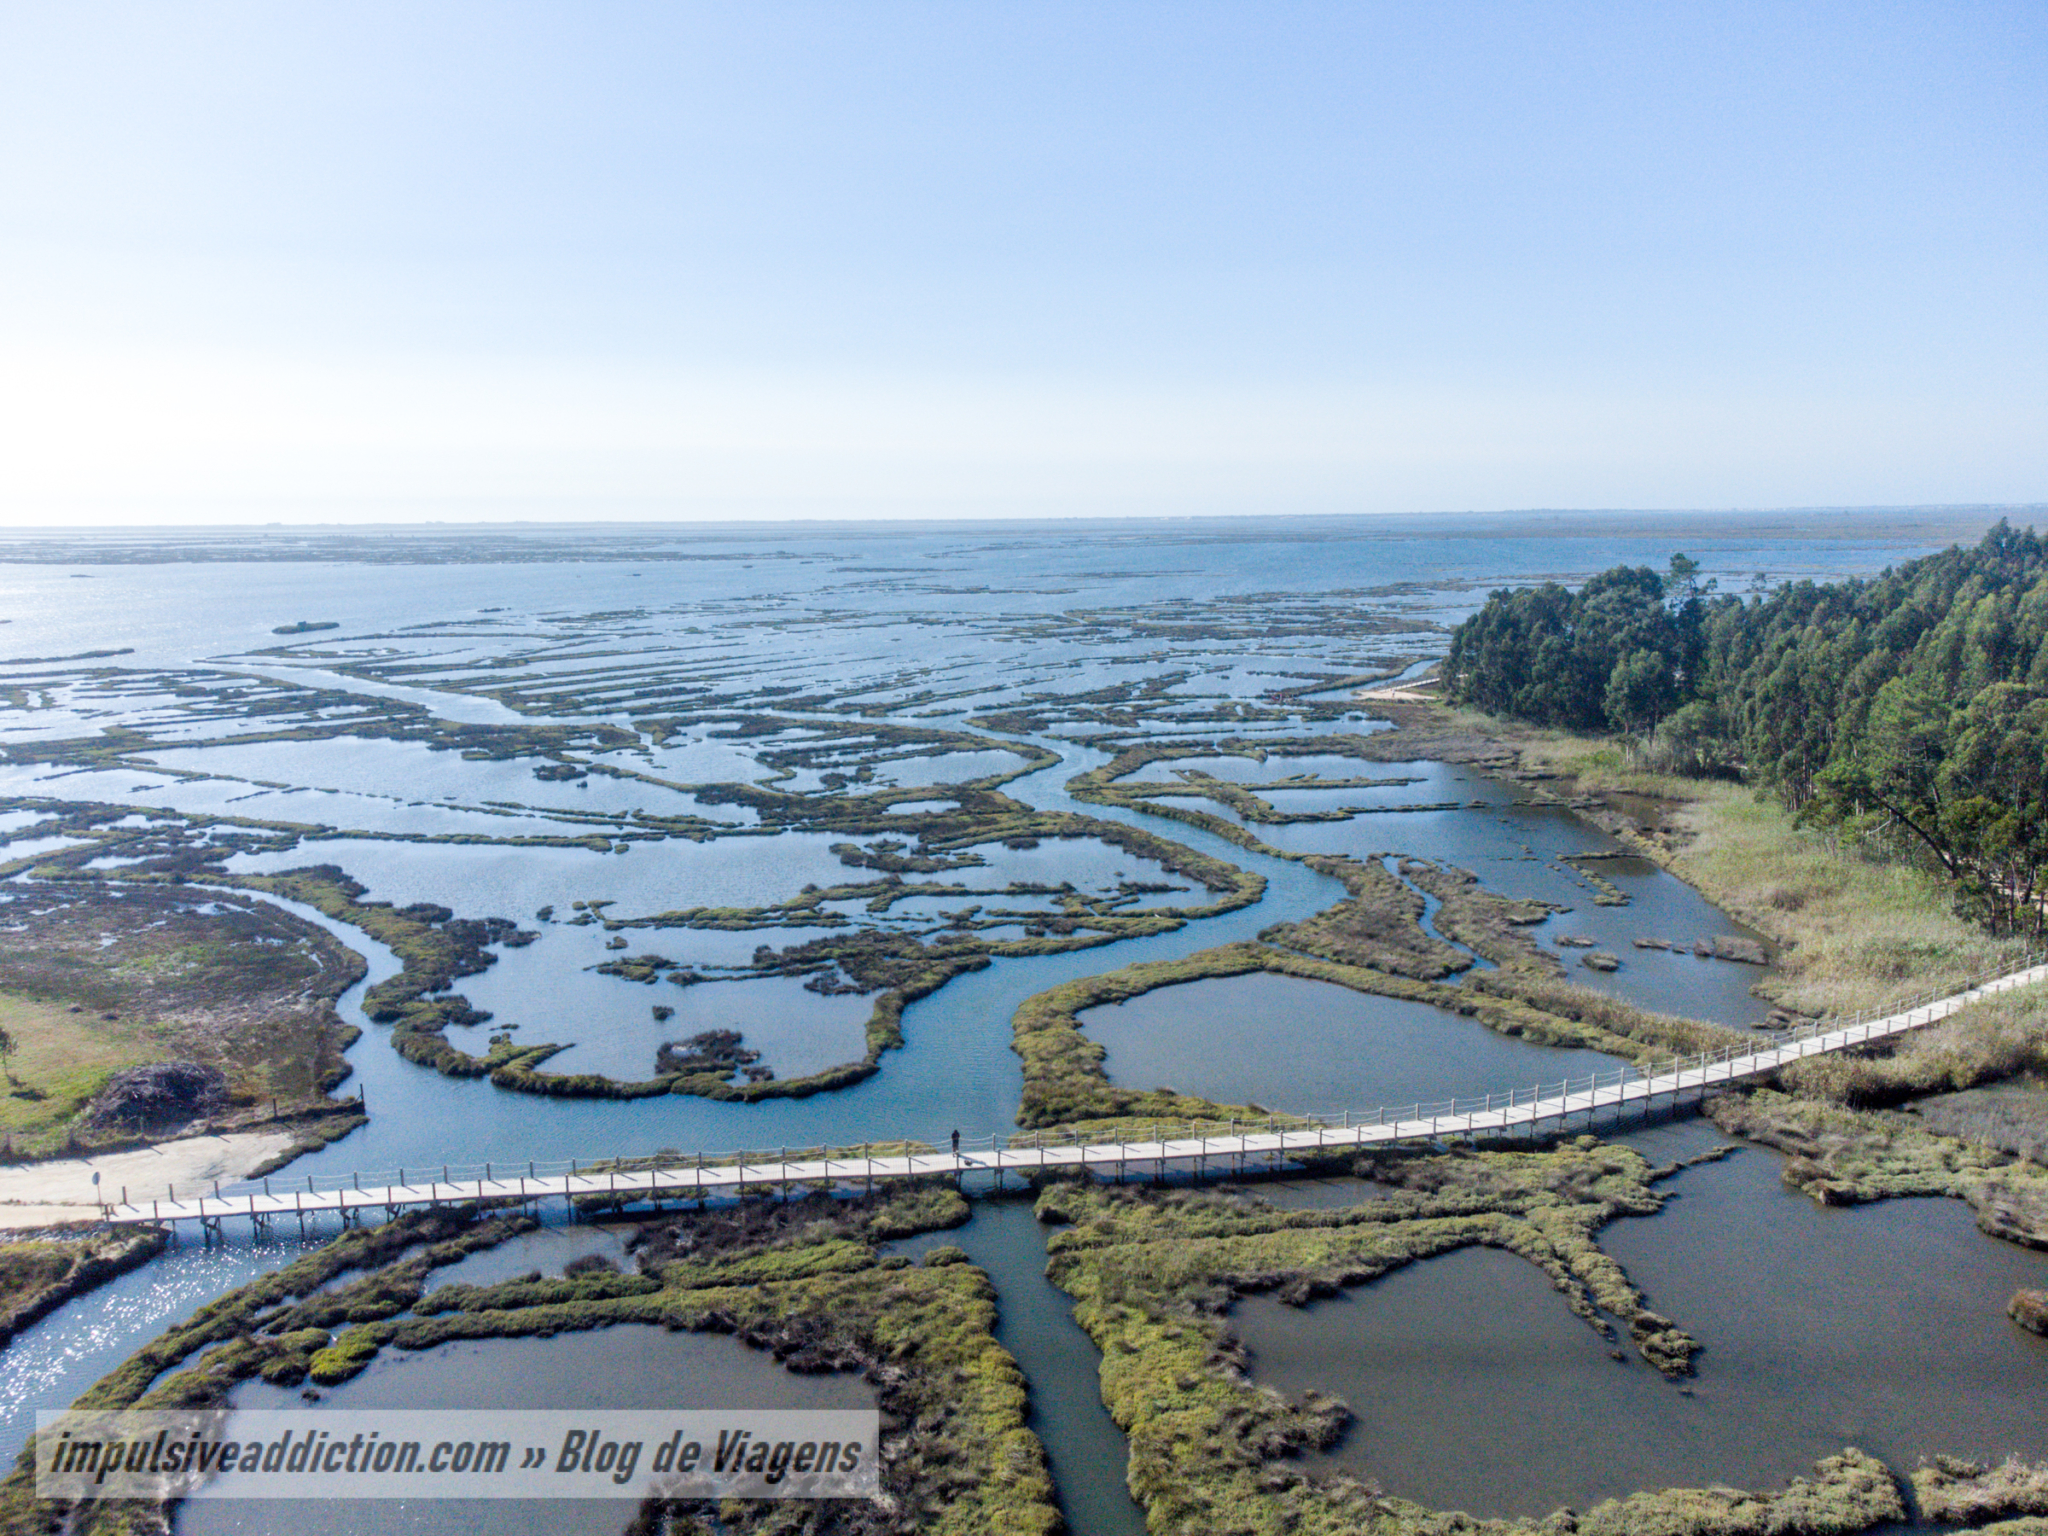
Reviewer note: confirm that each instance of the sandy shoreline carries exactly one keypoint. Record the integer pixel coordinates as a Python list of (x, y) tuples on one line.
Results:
[(43, 1194)]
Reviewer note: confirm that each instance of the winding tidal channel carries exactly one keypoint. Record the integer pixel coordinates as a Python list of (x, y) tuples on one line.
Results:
[(1472, 1387)]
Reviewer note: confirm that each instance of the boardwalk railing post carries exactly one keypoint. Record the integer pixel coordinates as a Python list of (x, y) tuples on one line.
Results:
[(1708, 1068)]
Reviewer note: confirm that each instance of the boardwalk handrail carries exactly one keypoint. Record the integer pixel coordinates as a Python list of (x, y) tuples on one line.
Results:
[(1982, 984), (1514, 1110)]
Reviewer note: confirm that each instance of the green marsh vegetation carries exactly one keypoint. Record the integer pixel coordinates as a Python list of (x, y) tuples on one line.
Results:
[(1372, 942), (423, 1240), (1856, 928), (137, 1012), (1843, 1156), (436, 948), (1064, 1082), (1378, 925), (1111, 783), (901, 966), (2012, 1495), (2009, 1115), (900, 963), (1154, 1275), (1491, 926), (803, 1280)]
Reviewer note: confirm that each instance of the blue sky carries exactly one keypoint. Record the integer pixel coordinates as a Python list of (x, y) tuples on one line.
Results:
[(376, 261)]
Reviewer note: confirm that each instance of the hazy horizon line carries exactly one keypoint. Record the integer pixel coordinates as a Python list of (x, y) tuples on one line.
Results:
[(616, 518)]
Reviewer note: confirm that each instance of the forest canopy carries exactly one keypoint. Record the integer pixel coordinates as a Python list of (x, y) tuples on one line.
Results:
[(1912, 706)]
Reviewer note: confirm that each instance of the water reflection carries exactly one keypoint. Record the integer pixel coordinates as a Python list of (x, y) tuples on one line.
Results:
[(1286, 1043), (51, 1362), (1880, 1326), (1035, 1323), (627, 1366)]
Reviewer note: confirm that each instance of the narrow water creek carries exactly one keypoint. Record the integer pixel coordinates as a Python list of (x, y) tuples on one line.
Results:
[(1035, 1323), (1430, 906), (1233, 1039)]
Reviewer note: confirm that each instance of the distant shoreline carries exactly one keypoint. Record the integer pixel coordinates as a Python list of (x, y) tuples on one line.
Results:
[(1943, 521)]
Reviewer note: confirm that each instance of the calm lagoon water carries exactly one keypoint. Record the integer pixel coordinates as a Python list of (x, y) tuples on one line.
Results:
[(628, 1366), (642, 881), (1879, 1326), (1310, 1047), (922, 628)]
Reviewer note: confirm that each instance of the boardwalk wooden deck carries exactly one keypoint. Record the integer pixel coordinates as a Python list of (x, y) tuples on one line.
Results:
[(1532, 1112)]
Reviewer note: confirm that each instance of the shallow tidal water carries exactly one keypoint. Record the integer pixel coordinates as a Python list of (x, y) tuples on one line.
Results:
[(1312, 1047), (627, 1366), (912, 627), (1879, 1326), (1517, 846), (1035, 1323)]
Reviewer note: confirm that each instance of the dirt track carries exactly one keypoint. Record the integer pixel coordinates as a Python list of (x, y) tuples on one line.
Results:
[(44, 1194)]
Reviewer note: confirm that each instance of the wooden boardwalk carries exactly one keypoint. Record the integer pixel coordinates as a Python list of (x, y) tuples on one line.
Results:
[(1530, 1112)]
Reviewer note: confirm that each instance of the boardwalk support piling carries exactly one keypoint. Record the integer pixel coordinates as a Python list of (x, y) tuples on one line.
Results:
[(1551, 1112)]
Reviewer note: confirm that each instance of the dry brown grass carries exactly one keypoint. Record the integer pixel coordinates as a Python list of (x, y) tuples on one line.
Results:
[(1994, 1040), (1959, 1492), (96, 978), (1859, 932)]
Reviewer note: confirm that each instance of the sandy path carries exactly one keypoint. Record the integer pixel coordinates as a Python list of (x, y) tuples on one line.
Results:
[(39, 1194), (1402, 693)]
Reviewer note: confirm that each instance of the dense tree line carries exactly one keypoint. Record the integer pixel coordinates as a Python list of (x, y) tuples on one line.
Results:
[(1913, 706)]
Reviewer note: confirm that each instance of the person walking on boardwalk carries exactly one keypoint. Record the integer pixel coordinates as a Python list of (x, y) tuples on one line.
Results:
[(956, 1143)]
